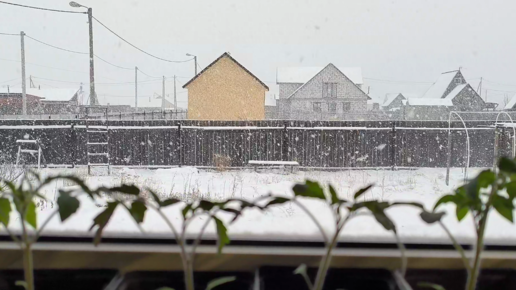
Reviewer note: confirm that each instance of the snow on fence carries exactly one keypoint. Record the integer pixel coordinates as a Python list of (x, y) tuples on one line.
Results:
[(312, 144)]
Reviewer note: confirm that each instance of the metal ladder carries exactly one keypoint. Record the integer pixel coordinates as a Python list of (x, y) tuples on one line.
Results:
[(97, 143), (32, 152)]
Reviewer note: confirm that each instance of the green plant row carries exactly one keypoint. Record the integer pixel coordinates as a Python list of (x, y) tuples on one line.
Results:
[(491, 189)]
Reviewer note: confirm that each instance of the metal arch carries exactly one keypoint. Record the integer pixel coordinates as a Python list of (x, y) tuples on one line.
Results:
[(513, 132), (467, 142)]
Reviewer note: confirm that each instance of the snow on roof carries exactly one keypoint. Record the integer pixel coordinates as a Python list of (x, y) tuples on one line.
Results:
[(511, 103), (430, 102), (455, 91), (301, 75), (439, 87), (389, 98), (54, 95), (270, 99)]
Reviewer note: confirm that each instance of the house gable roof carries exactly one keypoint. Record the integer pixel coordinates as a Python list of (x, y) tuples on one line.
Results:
[(389, 98), (511, 103), (455, 91), (226, 54), (301, 75), (438, 89), (329, 65)]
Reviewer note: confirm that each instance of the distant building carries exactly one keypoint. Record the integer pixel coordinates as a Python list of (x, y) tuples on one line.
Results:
[(511, 105), (427, 109), (155, 103), (310, 93), (393, 102), (453, 86), (226, 90), (39, 101), (271, 108)]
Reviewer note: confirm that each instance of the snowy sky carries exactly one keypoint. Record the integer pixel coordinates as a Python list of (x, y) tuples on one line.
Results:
[(401, 45)]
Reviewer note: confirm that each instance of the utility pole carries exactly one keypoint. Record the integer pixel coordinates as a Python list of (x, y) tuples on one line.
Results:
[(175, 99), (163, 95), (93, 94), (479, 89), (195, 61), (24, 85), (135, 88)]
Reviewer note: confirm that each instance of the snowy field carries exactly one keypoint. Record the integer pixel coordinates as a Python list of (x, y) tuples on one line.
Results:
[(284, 222)]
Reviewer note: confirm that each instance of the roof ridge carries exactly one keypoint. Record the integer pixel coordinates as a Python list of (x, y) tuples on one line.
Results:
[(308, 81), (235, 61)]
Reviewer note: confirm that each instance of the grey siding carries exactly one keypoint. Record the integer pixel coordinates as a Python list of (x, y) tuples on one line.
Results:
[(301, 104), (397, 103), (286, 89), (468, 100), (458, 79)]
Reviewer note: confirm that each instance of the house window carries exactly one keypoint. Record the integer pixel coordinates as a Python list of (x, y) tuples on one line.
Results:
[(329, 90), (346, 106), (317, 107), (458, 81), (332, 107)]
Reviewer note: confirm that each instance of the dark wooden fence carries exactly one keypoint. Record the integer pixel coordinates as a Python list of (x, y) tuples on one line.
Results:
[(313, 144)]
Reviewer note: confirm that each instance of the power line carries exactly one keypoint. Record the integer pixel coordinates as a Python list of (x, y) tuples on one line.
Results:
[(7, 81), (117, 83), (501, 84), (173, 61), (120, 67), (9, 34), (40, 65), (397, 81), (148, 75), (78, 52), (40, 8), (56, 47)]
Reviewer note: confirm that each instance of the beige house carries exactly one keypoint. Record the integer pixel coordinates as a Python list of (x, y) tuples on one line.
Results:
[(226, 90)]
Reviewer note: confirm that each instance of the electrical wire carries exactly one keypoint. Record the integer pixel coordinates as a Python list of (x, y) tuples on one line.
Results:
[(7, 81), (501, 84), (148, 75), (120, 67), (78, 52), (40, 65), (107, 84), (396, 81), (40, 8), (9, 34), (157, 57), (56, 47)]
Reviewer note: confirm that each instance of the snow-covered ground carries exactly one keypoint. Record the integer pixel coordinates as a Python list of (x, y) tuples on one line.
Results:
[(286, 222)]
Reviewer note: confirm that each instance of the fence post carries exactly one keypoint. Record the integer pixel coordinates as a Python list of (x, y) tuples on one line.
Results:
[(448, 161), (284, 151), (74, 142), (496, 143), (180, 145), (394, 145)]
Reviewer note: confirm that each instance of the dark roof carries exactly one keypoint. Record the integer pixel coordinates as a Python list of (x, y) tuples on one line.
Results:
[(234, 60)]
